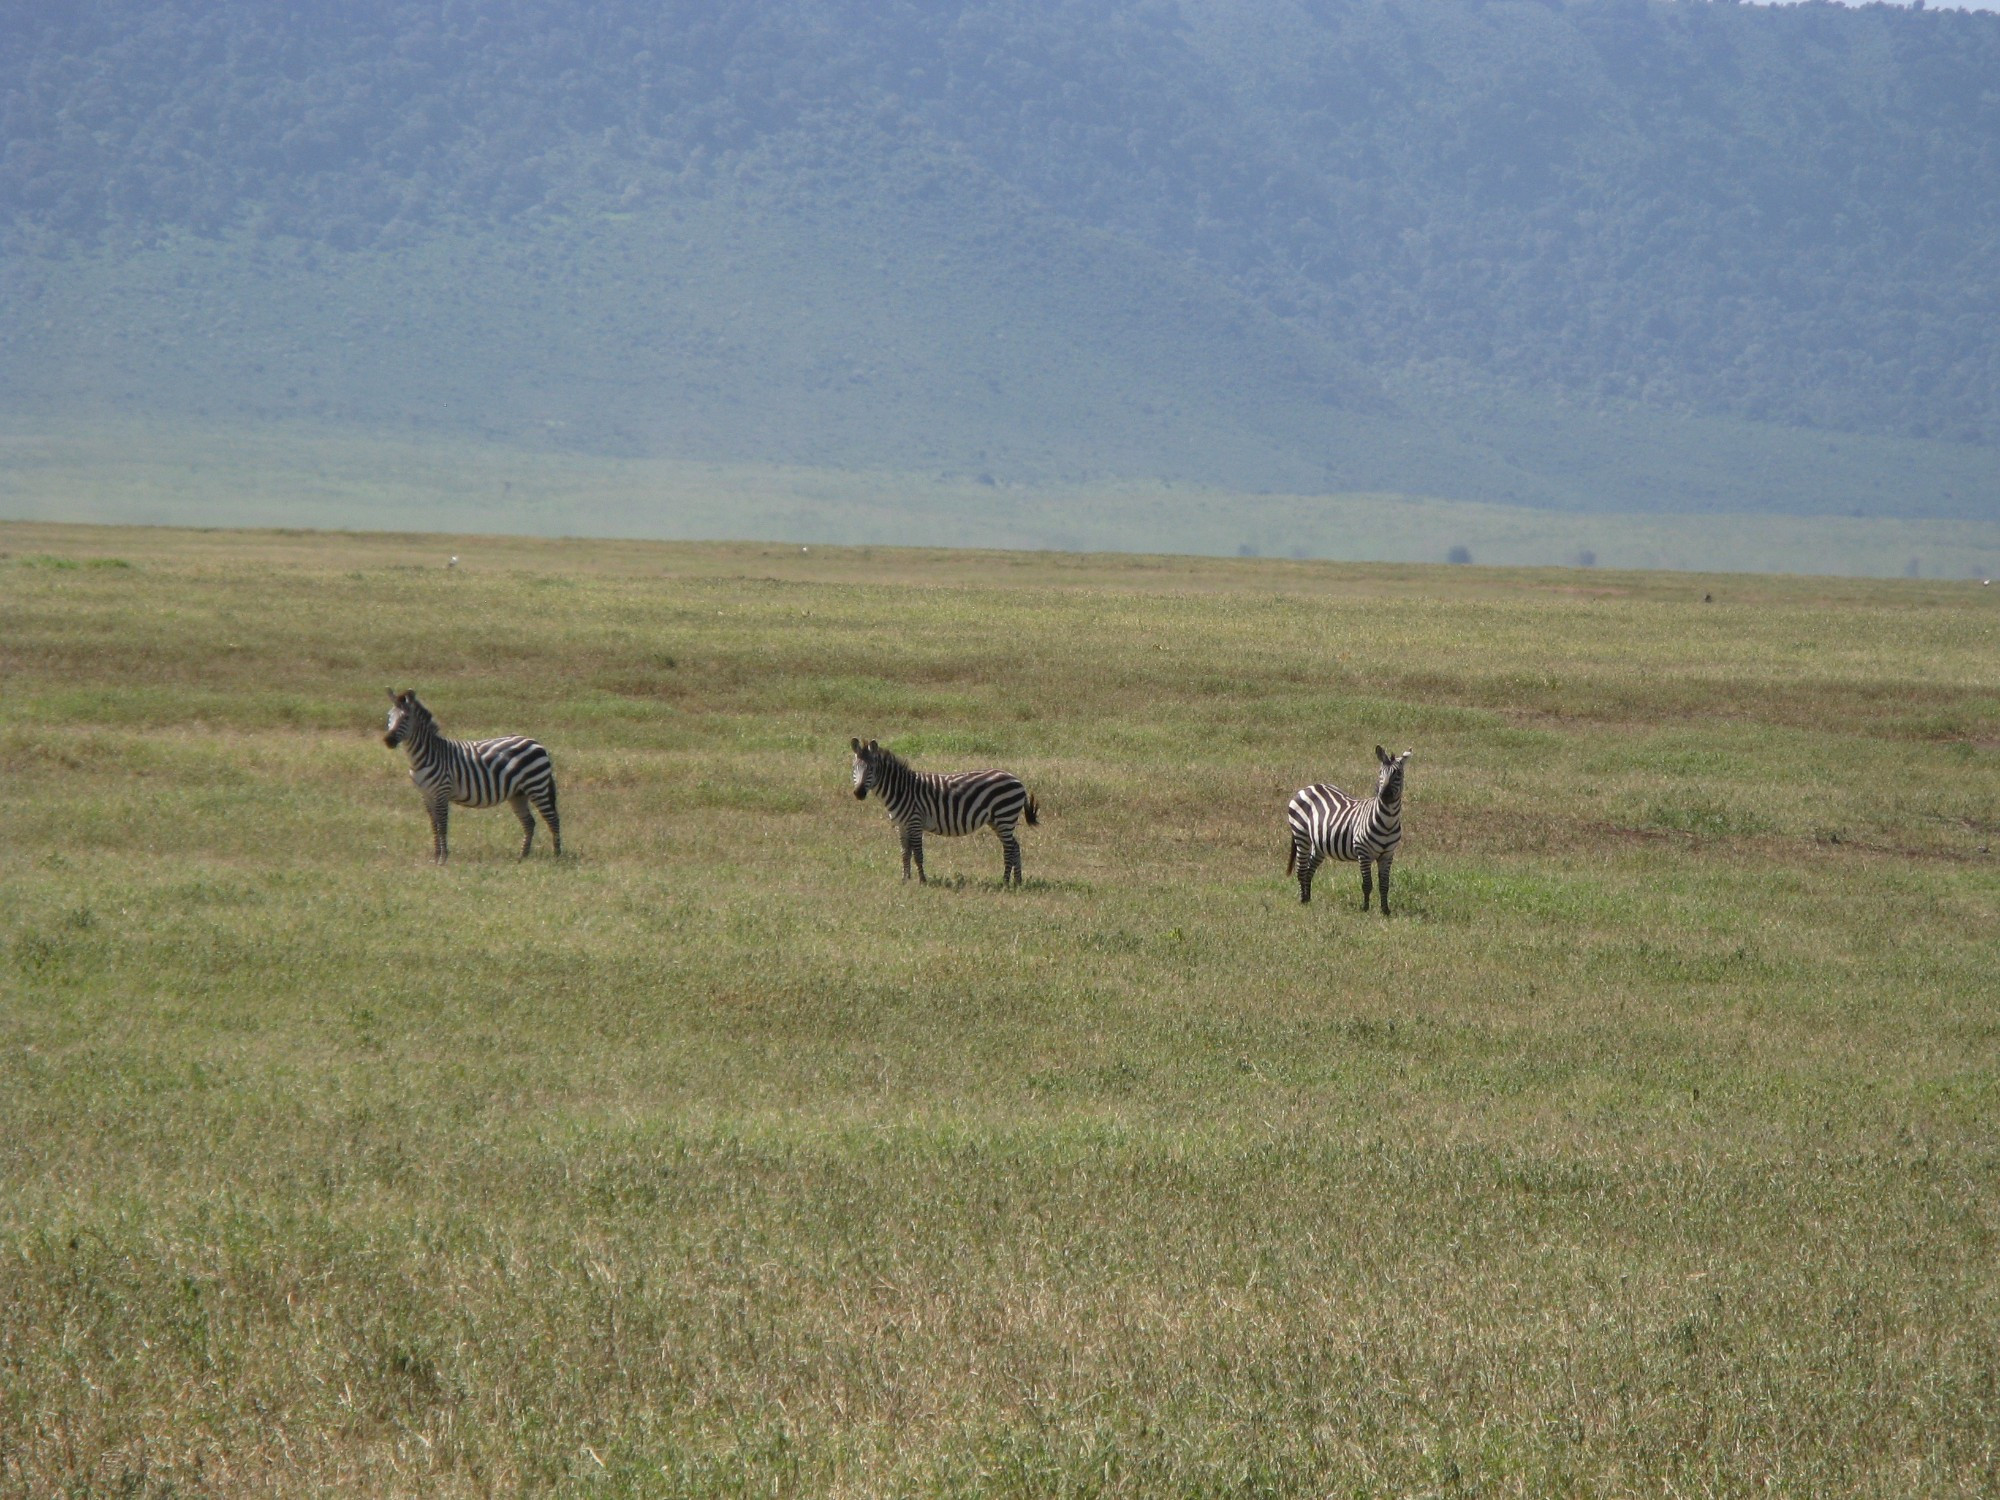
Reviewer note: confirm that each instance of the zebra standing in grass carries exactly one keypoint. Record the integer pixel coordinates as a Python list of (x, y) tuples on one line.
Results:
[(472, 773), (950, 803), (1329, 824)]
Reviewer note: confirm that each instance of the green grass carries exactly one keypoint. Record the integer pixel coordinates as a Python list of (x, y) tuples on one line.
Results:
[(1648, 1149)]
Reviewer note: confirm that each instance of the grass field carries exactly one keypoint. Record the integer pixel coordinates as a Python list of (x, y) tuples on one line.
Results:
[(139, 472), (1649, 1149)]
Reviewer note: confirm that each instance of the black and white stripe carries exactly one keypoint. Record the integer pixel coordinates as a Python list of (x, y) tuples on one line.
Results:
[(473, 773), (949, 803), (1329, 824)]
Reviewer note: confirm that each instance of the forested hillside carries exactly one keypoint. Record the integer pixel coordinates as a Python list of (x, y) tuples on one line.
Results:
[(1326, 243)]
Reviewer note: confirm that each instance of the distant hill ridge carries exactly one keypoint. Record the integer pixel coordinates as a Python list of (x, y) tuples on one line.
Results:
[(1372, 245)]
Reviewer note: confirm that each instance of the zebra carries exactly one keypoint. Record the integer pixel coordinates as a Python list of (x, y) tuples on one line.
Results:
[(950, 803), (1329, 824), (472, 773)]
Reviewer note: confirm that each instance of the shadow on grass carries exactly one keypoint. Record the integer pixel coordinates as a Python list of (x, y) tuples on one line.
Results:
[(488, 859), (1033, 885)]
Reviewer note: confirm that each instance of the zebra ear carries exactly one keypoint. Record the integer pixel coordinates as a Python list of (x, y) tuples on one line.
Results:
[(392, 696), (856, 744), (873, 746), (1382, 755)]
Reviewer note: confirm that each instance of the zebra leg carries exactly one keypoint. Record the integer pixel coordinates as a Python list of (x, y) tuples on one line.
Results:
[(913, 848), (1385, 887), (440, 811), (546, 803), (1307, 863), (1010, 849), (1367, 883), (519, 802)]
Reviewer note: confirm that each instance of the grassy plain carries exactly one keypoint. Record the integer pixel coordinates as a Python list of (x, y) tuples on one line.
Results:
[(1649, 1149), (149, 472)]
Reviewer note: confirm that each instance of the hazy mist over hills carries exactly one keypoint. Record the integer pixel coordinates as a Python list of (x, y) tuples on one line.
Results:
[(1612, 255)]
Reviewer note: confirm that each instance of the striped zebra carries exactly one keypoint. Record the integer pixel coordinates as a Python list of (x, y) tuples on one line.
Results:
[(472, 773), (1329, 824), (949, 803)]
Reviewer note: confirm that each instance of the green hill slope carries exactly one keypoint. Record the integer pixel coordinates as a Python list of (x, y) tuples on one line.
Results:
[(1614, 256)]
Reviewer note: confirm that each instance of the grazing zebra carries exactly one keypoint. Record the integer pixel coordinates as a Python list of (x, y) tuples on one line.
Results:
[(950, 803), (472, 773), (1329, 824)]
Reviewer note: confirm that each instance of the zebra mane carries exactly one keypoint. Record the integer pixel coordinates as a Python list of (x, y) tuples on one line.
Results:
[(890, 758)]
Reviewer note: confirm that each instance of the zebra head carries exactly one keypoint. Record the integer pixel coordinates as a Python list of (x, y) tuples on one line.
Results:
[(1389, 775), (405, 714), (866, 758)]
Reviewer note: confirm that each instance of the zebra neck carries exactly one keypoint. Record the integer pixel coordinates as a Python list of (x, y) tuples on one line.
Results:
[(425, 744), (896, 784)]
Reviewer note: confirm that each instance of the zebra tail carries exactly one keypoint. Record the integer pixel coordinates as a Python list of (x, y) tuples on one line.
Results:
[(1032, 814)]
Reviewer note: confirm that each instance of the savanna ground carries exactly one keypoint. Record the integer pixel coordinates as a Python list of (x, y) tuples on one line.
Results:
[(1649, 1148), (148, 472)]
